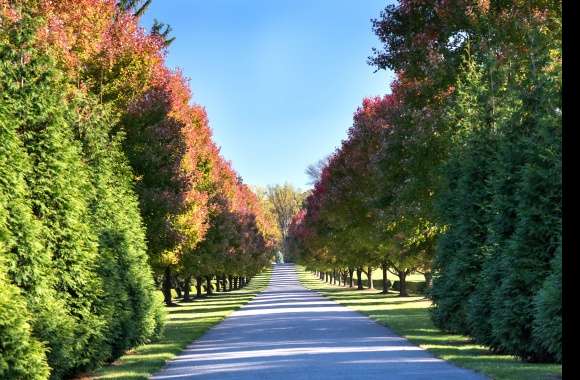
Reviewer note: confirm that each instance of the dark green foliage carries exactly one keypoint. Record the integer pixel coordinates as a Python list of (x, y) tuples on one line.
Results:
[(462, 204), (548, 311), (502, 207), (535, 238), (138, 7), (162, 30)]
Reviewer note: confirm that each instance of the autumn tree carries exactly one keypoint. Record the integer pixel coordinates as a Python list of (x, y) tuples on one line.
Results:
[(285, 201)]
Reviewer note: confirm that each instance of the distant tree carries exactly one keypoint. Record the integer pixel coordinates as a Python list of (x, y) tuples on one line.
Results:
[(285, 201)]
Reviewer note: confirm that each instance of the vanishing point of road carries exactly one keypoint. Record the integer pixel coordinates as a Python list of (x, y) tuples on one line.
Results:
[(288, 332)]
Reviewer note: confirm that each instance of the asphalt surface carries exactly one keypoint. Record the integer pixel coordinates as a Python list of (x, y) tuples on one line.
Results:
[(290, 333)]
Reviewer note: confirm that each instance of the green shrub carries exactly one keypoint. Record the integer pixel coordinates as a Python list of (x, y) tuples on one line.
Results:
[(21, 355), (159, 316), (548, 311)]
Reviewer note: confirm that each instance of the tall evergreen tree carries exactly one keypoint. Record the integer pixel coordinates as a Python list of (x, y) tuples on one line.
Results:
[(130, 308), (22, 356), (45, 210)]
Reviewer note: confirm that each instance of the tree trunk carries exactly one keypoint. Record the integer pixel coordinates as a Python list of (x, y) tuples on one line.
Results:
[(198, 283), (370, 278), (359, 279), (187, 289), (167, 286), (428, 279), (385, 279), (230, 282), (217, 283), (402, 283), (178, 290), (236, 282), (209, 290), (350, 278)]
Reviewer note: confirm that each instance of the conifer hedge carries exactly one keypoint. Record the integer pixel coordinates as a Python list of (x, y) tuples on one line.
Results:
[(77, 289), (105, 173), (498, 263)]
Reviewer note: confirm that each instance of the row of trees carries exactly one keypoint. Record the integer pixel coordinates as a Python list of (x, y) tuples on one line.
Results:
[(110, 187), (457, 172)]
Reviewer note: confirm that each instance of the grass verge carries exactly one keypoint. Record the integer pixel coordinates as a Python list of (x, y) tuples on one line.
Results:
[(409, 317), (185, 323)]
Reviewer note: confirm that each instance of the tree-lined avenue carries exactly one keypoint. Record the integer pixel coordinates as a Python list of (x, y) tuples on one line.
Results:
[(289, 332)]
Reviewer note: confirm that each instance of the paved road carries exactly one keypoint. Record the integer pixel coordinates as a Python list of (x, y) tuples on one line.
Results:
[(290, 333)]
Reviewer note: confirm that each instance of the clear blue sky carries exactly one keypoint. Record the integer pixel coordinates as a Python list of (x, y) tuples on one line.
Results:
[(280, 79)]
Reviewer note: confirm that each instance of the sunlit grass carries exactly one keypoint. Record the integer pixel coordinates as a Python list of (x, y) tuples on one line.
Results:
[(409, 317), (185, 323)]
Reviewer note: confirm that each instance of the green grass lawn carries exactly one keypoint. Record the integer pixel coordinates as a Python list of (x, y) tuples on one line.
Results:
[(409, 317), (185, 323)]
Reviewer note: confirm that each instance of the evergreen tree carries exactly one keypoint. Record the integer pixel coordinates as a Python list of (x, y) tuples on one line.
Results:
[(128, 302), (59, 184), (26, 80), (548, 311), (22, 356), (462, 201)]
